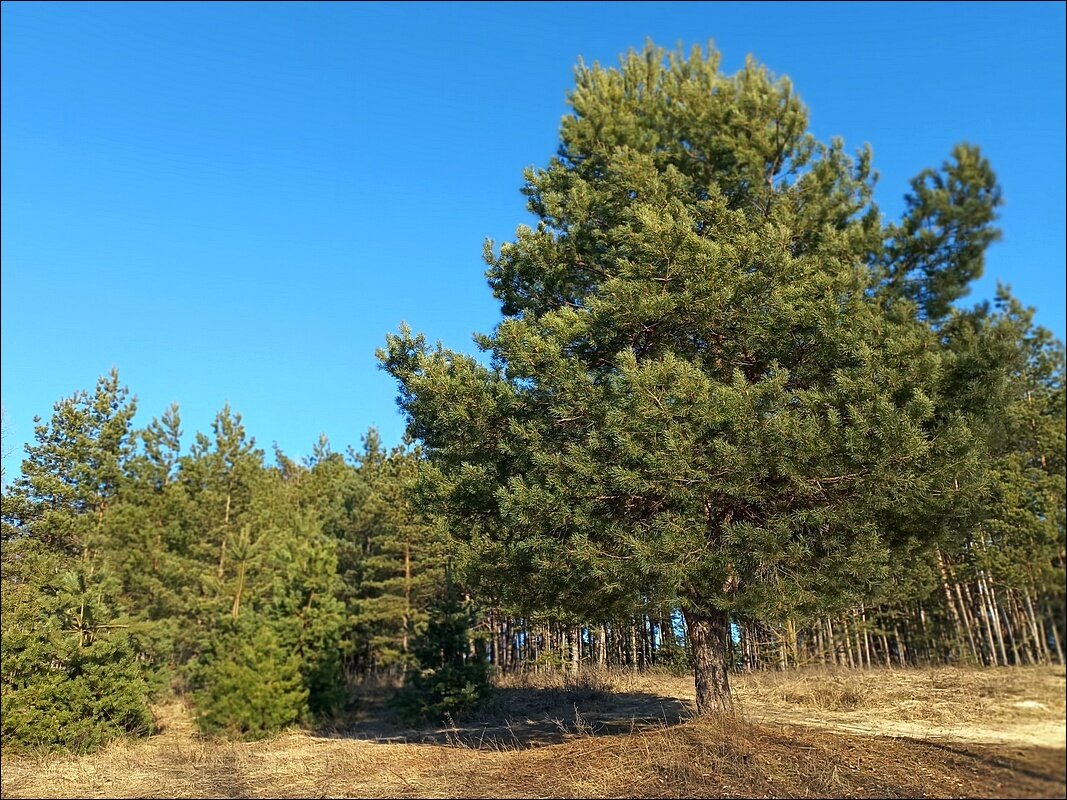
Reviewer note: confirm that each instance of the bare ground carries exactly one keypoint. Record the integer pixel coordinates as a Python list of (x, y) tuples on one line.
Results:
[(915, 733)]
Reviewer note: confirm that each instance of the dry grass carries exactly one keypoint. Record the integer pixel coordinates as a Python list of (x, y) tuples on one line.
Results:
[(561, 745), (944, 695)]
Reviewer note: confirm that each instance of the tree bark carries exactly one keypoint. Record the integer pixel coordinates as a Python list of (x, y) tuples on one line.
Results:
[(573, 644), (407, 598), (1039, 645), (1056, 637), (837, 661), (709, 642)]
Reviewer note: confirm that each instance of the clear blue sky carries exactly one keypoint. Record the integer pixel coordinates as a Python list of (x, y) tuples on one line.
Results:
[(237, 202)]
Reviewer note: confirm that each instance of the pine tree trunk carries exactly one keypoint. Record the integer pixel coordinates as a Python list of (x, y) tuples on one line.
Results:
[(666, 632), (708, 641), (956, 623), (791, 651), (846, 640), (997, 628), (866, 636), (1018, 630), (966, 604), (1009, 624), (833, 642), (222, 547), (1040, 646), (1054, 627), (236, 609), (407, 596), (925, 641), (986, 608), (574, 655), (992, 610), (494, 637), (902, 655)]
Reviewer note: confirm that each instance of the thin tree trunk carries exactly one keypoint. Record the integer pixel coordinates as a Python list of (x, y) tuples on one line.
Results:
[(952, 609), (833, 642), (1056, 636), (986, 608), (1042, 647), (846, 641), (1018, 632), (925, 634), (407, 596), (1012, 626), (573, 633), (236, 610), (708, 642), (226, 523), (902, 657), (792, 654), (997, 629), (866, 636), (994, 613)]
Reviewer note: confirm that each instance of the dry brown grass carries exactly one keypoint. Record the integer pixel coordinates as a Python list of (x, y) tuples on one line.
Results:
[(941, 695), (562, 745)]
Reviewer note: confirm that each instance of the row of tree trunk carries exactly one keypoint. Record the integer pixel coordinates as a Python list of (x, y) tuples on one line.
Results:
[(638, 643), (968, 622)]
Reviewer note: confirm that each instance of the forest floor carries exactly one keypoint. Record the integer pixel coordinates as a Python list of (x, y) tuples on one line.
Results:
[(808, 733)]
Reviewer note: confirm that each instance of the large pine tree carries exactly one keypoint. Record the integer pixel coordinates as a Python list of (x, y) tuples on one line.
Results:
[(719, 381)]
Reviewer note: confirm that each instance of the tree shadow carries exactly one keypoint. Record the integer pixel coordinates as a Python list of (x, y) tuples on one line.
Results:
[(519, 718), (996, 759)]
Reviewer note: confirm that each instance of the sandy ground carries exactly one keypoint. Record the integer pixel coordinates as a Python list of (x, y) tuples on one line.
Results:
[(1027, 734)]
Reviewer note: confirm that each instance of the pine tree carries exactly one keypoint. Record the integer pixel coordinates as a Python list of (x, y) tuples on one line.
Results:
[(449, 673), (247, 684), (71, 674), (74, 468), (939, 247), (71, 677), (704, 391), (274, 590), (400, 560)]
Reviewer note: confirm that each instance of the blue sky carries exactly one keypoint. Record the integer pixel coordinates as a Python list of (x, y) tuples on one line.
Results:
[(237, 202)]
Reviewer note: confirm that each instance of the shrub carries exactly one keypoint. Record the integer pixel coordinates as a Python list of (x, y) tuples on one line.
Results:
[(447, 677), (245, 685), (64, 687)]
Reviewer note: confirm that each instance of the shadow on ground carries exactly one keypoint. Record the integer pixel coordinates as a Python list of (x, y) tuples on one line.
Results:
[(1050, 763), (520, 718)]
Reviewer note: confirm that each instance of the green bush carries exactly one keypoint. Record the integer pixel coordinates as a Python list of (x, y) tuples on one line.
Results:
[(447, 678), (63, 688), (245, 685)]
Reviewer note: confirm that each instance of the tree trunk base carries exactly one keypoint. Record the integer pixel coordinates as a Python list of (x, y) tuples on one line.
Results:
[(709, 643)]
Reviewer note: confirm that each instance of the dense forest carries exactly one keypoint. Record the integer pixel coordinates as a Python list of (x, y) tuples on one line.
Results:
[(730, 421)]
